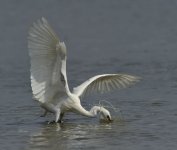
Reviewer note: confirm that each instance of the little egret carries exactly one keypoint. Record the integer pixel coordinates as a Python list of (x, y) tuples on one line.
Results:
[(49, 80)]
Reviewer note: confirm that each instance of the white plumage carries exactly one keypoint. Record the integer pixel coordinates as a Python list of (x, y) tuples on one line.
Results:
[(49, 80)]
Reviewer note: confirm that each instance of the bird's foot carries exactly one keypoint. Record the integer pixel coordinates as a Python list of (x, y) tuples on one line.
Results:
[(51, 122), (54, 122), (60, 121)]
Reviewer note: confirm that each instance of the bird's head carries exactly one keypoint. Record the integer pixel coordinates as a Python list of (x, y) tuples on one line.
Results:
[(105, 114)]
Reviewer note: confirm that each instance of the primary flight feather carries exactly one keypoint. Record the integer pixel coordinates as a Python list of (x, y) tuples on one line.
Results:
[(49, 79)]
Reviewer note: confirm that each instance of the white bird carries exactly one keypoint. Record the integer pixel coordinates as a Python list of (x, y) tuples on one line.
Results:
[(49, 80)]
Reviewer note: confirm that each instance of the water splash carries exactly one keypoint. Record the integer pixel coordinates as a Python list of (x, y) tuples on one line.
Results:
[(116, 112)]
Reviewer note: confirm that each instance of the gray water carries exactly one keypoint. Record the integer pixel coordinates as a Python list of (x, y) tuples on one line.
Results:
[(102, 36)]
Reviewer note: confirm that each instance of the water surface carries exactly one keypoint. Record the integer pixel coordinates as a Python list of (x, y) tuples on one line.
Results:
[(134, 37)]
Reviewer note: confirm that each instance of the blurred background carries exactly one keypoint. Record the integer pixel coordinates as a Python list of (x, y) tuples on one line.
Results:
[(102, 36)]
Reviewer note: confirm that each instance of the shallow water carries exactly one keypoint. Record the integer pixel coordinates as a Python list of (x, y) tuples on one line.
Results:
[(135, 37)]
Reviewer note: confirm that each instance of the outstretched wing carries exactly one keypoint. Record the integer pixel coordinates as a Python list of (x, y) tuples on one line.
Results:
[(104, 83), (48, 62)]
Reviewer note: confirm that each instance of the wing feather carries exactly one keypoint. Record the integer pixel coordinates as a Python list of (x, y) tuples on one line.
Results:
[(48, 60), (105, 83)]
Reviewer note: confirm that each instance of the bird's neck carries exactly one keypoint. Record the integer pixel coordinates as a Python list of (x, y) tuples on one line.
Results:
[(92, 113)]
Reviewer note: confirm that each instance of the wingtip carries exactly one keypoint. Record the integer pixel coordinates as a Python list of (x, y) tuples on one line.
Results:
[(138, 78), (41, 20), (44, 20)]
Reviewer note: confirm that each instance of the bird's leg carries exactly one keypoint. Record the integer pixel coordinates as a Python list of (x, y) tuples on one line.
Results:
[(61, 117), (57, 115), (44, 114)]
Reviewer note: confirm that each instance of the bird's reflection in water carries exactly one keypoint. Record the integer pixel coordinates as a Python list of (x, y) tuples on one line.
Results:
[(69, 136)]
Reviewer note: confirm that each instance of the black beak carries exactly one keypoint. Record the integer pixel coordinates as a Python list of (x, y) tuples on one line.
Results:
[(109, 119)]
